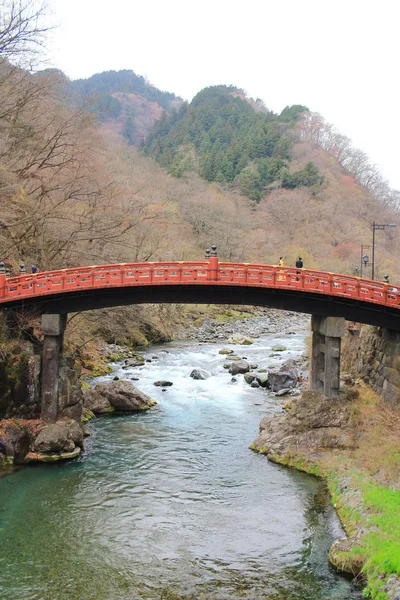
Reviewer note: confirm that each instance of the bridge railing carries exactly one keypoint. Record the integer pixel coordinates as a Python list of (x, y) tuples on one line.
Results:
[(196, 272)]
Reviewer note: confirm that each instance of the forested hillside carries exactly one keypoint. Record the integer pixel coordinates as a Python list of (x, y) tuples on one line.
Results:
[(259, 185), (123, 98), (224, 137)]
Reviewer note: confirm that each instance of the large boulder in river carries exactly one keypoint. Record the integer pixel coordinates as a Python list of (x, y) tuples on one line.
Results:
[(119, 395), (263, 379), (76, 431), (95, 402), (54, 438), (240, 366), (250, 377), (285, 378), (20, 439), (200, 374)]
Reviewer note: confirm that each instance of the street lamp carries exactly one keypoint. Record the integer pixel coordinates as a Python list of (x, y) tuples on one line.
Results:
[(376, 226), (364, 259)]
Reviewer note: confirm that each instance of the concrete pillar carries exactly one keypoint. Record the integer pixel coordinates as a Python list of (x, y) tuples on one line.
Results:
[(325, 357), (53, 327), (317, 361)]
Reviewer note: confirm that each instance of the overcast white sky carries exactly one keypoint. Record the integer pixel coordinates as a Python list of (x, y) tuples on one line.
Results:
[(338, 57)]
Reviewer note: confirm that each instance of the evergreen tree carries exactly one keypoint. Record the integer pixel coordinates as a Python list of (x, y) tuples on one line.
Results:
[(232, 140)]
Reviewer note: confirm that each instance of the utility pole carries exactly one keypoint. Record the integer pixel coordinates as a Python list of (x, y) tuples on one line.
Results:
[(381, 227)]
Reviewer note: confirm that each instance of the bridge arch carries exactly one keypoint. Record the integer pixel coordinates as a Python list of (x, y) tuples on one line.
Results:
[(330, 298), (307, 291)]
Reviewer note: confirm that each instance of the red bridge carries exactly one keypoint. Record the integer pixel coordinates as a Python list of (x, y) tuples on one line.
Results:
[(208, 281), (328, 297)]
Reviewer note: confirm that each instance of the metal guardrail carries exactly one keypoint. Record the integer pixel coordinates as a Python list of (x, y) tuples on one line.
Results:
[(198, 273)]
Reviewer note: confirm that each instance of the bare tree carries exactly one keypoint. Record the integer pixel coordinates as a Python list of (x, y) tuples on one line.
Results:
[(22, 29), (314, 129)]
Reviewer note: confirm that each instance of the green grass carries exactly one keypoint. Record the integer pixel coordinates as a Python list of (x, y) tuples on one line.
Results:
[(381, 545)]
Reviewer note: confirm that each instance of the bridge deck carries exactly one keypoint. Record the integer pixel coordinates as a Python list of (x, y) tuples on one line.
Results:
[(243, 283)]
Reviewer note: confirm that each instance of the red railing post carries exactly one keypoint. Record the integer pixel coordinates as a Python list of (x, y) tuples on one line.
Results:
[(385, 293), (213, 265), (3, 280)]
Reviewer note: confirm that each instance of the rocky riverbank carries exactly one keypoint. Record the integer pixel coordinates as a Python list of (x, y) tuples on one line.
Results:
[(262, 321), (27, 441), (334, 438)]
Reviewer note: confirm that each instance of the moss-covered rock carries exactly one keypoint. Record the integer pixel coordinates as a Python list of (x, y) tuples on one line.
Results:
[(116, 395), (33, 457), (346, 556)]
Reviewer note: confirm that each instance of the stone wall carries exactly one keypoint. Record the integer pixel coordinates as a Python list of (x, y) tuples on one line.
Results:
[(373, 354), (20, 390), (20, 382)]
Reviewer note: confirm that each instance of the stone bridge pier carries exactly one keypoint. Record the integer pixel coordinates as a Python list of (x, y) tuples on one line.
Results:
[(327, 333), (53, 327)]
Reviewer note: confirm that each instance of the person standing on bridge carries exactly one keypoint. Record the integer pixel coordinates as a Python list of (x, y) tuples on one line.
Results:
[(281, 264), (299, 263), (34, 269)]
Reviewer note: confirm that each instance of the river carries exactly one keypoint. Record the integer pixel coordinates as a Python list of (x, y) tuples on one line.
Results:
[(171, 503)]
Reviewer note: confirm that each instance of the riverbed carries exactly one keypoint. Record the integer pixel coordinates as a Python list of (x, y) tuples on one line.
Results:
[(172, 503)]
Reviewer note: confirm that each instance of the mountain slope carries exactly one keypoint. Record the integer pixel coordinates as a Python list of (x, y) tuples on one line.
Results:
[(225, 137), (124, 100)]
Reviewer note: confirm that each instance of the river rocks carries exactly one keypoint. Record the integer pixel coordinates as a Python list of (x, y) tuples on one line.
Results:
[(200, 374), (76, 431), (343, 559), (263, 379), (241, 366), (279, 348), (249, 377), (285, 377), (313, 423), (33, 457), (163, 383), (262, 321), (19, 439), (6, 453), (60, 441), (136, 361), (95, 402), (283, 392), (54, 438), (226, 351), (116, 395), (240, 339)]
